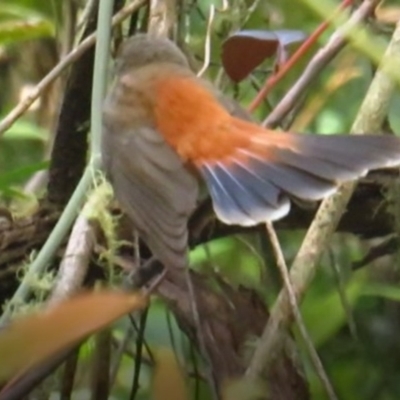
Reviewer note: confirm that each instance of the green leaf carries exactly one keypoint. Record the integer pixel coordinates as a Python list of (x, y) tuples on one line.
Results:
[(323, 326), (387, 291), (28, 8), (17, 30), (20, 174), (25, 131), (13, 11)]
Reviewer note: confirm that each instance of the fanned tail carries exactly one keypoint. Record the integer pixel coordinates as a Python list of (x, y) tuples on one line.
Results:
[(253, 184)]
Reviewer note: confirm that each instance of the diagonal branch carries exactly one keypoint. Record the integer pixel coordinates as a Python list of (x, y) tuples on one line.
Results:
[(317, 64), (23, 106), (369, 119)]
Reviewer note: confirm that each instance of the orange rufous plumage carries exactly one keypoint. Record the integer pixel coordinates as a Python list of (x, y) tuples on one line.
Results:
[(161, 123), (210, 133)]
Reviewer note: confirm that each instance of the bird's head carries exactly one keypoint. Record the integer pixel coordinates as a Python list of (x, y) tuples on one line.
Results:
[(142, 49)]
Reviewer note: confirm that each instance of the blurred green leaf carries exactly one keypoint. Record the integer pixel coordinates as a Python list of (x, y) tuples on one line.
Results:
[(13, 193), (233, 257), (11, 11), (12, 31), (387, 291), (323, 312), (46, 8), (23, 130), (9, 178), (24, 21)]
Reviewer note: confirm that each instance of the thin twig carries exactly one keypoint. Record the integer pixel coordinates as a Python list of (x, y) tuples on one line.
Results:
[(54, 240), (75, 262), (281, 263), (196, 372), (138, 355), (162, 17), (207, 43), (168, 318), (100, 385), (68, 375), (363, 40), (90, 4), (71, 210), (81, 245), (342, 295), (119, 353), (370, 116), (23, 106), (150, 360), (199, 334), (323, 57), (288, 65)]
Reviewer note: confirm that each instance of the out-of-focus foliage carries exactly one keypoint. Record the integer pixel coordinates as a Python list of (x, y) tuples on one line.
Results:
[(61, 326), (27, 51), (362, 363)]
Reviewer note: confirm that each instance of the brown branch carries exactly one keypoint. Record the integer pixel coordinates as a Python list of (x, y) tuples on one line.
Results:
[(318, 237), (367, 216), (20, 236), (230, 319), (313, 354), (162, 17), (75, 261)]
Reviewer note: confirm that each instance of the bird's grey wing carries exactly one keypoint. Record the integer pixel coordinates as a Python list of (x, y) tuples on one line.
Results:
[(154, 188)]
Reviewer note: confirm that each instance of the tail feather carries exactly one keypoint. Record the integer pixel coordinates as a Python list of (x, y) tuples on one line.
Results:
[(244, 199), (326, 168), (297, 182), (358, 153), (254, 183)]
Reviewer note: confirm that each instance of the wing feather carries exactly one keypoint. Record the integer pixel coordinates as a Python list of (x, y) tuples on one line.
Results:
[(155, 189)]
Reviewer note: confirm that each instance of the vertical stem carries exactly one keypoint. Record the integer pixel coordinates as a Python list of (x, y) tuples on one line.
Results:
[(100, 77)]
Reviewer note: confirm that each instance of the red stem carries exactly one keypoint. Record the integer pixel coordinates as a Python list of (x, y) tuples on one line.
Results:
[(306, 45)]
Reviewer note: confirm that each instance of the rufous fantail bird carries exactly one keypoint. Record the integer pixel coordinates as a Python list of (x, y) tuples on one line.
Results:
[(166, 131)]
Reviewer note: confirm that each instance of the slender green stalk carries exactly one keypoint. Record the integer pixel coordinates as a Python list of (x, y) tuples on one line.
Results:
[(70, 212), (54, 240), (100, 76)]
